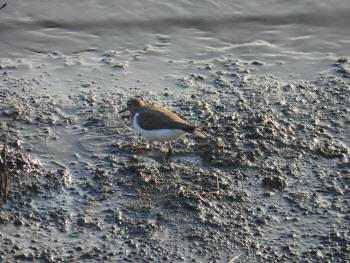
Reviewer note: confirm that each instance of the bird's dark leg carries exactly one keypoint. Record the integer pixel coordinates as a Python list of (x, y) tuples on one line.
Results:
[(169, 153), (150, 145)]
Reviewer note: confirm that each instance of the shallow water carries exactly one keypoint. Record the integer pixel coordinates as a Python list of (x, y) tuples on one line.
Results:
[(299, 38), (70, 66)]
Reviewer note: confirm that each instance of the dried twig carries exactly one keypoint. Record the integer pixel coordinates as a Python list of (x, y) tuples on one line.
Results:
[(3, 6), (213, 192), (236, 257), (3, 165)]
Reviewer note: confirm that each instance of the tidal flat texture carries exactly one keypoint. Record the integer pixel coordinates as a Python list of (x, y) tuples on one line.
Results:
[(275, 110)]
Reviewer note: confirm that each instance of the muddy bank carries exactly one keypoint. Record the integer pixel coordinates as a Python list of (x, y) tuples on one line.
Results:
[(84, 188)]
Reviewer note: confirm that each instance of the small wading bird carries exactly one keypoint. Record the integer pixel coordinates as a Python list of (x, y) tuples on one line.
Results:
[(158, 124)]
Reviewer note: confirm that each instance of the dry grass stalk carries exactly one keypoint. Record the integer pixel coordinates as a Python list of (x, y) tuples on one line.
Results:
[(3, 162)]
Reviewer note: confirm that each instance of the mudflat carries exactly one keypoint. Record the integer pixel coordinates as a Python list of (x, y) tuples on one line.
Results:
[(270, 93)]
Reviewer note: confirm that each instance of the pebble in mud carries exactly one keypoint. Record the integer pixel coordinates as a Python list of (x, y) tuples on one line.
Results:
[(18, 222), (275, 182), (100, 174), (81, 221)]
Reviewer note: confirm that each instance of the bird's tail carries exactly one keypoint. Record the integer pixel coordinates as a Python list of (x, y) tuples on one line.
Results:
[(199, 134)]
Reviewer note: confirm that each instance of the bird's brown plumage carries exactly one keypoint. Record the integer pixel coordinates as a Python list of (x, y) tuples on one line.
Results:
[(152, 116)]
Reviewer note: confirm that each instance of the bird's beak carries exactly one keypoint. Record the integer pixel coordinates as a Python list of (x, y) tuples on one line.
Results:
[(123, 110)]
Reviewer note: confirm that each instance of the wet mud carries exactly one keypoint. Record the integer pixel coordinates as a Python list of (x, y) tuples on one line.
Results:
[(84, 188)]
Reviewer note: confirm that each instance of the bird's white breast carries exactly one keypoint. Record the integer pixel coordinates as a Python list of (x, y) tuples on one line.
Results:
[(160, 134)]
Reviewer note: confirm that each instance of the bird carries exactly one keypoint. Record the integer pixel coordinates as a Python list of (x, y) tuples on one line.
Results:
[(158, 124)]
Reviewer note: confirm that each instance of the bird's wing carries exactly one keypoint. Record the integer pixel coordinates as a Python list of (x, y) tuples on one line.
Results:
[(151, 117)]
